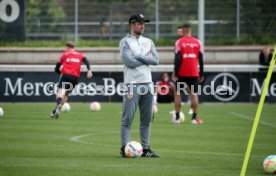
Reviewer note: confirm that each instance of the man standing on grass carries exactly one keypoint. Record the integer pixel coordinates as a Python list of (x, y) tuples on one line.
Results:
[(188, 54), (70, 61), (137, 53)]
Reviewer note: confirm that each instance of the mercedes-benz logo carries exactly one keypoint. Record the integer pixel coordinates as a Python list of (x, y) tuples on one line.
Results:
[(227, 86)]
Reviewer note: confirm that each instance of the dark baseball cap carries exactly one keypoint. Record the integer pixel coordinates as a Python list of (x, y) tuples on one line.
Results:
[(137, 18)]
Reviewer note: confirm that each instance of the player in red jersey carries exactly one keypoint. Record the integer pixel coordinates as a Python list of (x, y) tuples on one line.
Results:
[(70, 61), (188, 54), (165, 89)]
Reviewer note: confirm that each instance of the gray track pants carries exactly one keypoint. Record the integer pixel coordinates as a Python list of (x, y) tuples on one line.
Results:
[(130, 103)]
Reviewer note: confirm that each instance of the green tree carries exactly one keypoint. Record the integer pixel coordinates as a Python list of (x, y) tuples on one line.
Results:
[(258, 17), (43, 16)]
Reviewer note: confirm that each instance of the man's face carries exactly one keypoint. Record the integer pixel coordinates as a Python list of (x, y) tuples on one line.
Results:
[(179, 32), (187, 31), (138, 27), (165, 77), (266, 51)]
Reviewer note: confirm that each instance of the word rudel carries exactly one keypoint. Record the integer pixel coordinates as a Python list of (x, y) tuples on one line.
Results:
[(110, 87)]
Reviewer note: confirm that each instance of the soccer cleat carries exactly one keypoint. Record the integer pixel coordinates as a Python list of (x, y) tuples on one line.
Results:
[(57, 111), (196, 121), (148, 153), (56, 114), (53, 113), (123, 153)]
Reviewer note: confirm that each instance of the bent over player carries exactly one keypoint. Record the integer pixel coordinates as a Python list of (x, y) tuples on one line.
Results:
[(70, 61), (188, 54), (137, 53)]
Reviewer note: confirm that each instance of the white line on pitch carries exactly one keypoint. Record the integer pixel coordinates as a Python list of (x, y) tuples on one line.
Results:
[(249, 118), (208, 153), (64, 165), (78, 140)]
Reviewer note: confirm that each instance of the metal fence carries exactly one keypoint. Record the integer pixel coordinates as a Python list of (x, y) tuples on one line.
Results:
[(108, 20)]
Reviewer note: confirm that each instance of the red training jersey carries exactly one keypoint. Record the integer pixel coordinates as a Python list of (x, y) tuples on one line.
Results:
[(71, 62), (165, 88), (189, 48)]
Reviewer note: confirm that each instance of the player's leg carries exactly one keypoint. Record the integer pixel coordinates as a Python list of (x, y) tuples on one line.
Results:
[(65, 98), (65, 86), (130, 103), (193, 93), (194, 103), (71, 84), (59, 99), (145, 106), (59, 95), (177, 104), (177, 98)]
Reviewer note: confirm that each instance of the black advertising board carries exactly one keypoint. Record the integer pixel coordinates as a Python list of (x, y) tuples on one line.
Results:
[(107, 87)]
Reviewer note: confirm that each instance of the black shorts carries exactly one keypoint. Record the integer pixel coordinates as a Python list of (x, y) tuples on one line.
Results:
[(165, 98), (190, 82), (67, 82)]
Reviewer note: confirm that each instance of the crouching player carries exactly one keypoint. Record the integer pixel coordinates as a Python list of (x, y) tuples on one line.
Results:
[(70, 61)]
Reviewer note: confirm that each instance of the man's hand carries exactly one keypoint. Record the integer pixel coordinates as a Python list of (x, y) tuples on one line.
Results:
[(200, 79), (174, 78), (154, 108), (133, 53), (149, 54), (89, 74)]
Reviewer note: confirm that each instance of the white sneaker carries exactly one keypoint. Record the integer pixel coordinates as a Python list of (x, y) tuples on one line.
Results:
[(190, 111)]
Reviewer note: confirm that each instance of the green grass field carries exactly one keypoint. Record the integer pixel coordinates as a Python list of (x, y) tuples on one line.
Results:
[(87, 143)]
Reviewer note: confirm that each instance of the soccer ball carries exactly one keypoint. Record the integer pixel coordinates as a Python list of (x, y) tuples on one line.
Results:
[(270, 164), (95, 106), (66, 107), (181, 117), (190, 111), (1, 112), (154, 109), (133, 149)]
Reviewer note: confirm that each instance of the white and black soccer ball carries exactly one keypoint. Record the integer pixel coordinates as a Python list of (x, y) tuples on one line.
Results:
[(133, 149), (1, 112), (173, 117)]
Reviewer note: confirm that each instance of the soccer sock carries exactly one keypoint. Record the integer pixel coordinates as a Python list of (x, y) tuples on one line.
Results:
[(146, 148), (59, 100), (194, 116), (176, 115)]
